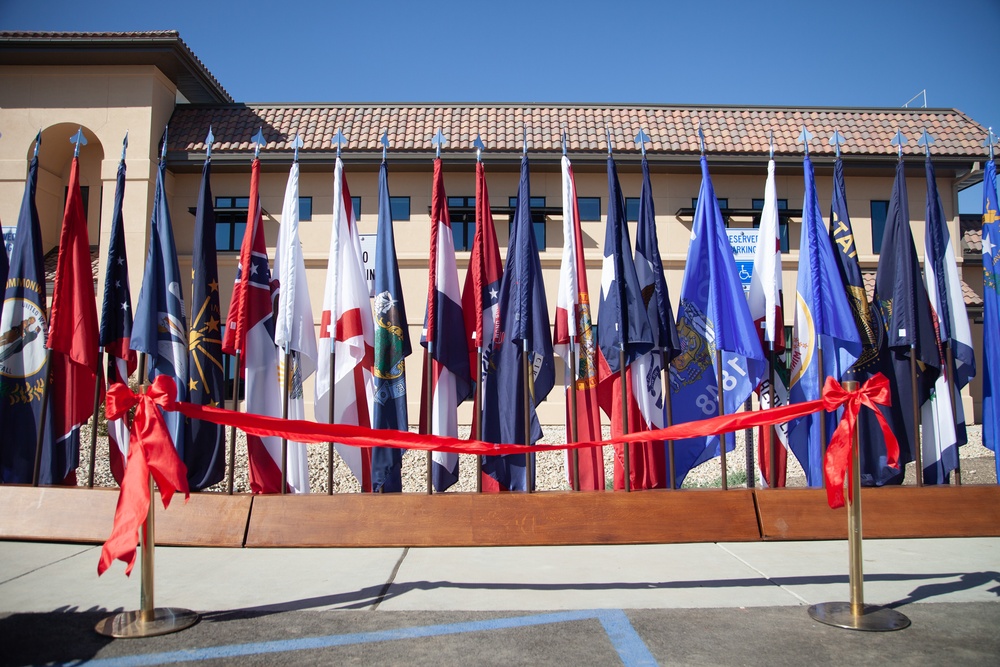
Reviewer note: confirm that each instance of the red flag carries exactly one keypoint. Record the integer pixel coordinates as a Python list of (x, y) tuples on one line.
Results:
[(481, 292), (573, 323), (73, 332)]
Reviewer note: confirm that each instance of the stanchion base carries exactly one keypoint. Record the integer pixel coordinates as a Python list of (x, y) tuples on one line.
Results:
[(129, 624), (872, 619)]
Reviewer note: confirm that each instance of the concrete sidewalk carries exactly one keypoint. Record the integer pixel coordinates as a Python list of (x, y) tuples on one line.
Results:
[(43, 585)]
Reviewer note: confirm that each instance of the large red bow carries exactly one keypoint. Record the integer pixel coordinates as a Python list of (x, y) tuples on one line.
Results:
[(872, 393), (151, 452)]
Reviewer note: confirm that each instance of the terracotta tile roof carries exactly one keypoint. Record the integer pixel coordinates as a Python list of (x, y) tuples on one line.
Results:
[(195, 79), (673, 129), (972, 240), (972, 299)]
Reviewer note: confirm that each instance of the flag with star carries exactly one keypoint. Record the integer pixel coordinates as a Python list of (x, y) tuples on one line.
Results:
[(160, 326), (205, 455), (480, 295), (116, 325), (991, 312)]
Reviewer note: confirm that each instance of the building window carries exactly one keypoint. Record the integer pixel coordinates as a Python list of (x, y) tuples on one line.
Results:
[(230, 222), (462, 213), (229, 373), (399, 208), (631, 209), (758, 205), (305, 209), (537, 219), (723, 204), (590, 208), (880, 210), (84, 197), (356, 205)]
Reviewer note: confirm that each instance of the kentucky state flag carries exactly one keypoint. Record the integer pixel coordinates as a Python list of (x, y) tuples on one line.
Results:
[(206, 451), (943, 428), (522, 329), (905, 310), (392, 346), (991, 312), (824, 331), (712, 317), (23, 369), (160, 327)]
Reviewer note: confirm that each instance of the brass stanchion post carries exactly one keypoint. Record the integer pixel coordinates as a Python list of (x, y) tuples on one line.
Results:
[(856, 615)]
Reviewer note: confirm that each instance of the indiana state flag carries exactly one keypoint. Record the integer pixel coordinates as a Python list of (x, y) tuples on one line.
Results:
[(825, 342), (522, 329), (160, 327), (392, 346), (991, 311), (713, 320), (206, 452)]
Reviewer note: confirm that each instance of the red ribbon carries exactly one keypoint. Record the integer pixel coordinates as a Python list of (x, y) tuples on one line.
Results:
[(151, 452), (838, 462)]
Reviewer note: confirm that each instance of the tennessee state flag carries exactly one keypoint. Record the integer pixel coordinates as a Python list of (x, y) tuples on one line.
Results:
[(573, 334)]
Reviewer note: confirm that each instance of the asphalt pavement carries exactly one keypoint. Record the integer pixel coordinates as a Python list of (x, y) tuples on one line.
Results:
[(679, 604)]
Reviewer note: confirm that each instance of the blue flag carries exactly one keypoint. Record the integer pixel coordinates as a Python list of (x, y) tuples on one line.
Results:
[(867, 320), (160, 327), (23, 328), (905, 311), (392, 346), (522, 328), (116, 325), (824, 330), (623, 327), (991, 312), (205, 453), (712, 315)]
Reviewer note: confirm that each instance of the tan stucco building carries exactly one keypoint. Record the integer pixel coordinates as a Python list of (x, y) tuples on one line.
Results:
[(140, 83)]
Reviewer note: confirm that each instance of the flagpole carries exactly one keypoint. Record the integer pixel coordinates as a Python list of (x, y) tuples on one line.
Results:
[(40, 440), (526, 370), (722, 411), (772, 432), (99, 379), (574, 425), (668, 416), (429, 410), (748, 436), (822, 415), (478, 408), (949, 359), (915, 397), (237, 375), (626, 463), (286, 388)]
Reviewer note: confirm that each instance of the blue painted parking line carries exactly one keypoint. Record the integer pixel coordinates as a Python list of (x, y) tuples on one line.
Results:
[(625, 640)]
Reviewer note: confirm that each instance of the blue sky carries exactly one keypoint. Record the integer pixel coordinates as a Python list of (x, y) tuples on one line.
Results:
[(867, 53)]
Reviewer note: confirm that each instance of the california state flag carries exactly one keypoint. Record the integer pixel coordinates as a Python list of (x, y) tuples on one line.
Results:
[(347, 333)]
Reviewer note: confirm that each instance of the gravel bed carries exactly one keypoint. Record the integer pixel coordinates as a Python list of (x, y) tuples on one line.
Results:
[(977, 465)]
